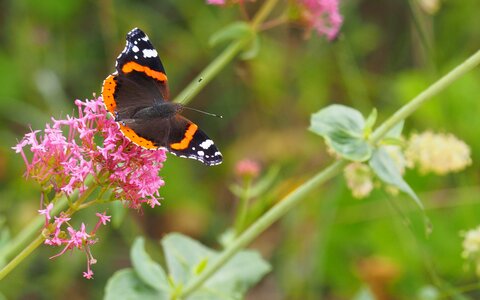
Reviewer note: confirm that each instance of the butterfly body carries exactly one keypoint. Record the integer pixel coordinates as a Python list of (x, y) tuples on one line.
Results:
[(137, 97)]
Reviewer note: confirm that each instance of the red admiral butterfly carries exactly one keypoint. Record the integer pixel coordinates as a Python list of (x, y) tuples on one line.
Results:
[(137, 97)]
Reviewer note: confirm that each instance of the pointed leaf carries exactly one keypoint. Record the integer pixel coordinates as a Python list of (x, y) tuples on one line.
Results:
[(370, 122), (343, 130), (125, 284), (234, 31), (364, 294), (396, 131), (148, 271), (182, 254), (384, 167), (252, 49)]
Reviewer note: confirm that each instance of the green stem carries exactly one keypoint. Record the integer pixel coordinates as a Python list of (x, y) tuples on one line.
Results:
[(29, 232), (21, 256), (243, 207), (263, 13), (272, 215), (427, 94), (292, 199)]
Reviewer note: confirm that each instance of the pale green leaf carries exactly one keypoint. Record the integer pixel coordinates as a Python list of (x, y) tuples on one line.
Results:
[(148, 271), (384, 167), (126, 285), (370, 122), (252, 49), (343, 130)]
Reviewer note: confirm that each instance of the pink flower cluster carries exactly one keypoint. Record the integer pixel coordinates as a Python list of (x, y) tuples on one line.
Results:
[(216, 2), (322, 16), (70, 150), (79, 239)]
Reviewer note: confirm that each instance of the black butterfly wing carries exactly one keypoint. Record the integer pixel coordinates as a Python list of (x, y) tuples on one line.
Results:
[(178, 135), (188, 141), (139, 49), (139, 81)]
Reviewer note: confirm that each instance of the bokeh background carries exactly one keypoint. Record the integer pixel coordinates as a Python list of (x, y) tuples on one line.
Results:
[(53, 52)]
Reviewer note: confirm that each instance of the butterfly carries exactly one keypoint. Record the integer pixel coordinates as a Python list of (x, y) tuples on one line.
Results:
[(136, 95)]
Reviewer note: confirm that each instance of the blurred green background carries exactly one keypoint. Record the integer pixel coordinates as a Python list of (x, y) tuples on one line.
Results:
[(53, 52)]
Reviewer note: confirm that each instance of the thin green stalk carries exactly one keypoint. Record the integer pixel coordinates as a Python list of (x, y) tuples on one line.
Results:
[(267, 219), (243, 207), (263, 13), (21, 256), (292, 199), (29, 232), (427, 94)]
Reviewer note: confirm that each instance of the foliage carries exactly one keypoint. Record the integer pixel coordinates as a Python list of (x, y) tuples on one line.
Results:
[(332, 245)]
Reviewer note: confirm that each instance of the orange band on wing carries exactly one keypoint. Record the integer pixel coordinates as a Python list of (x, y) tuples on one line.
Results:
[(108, 89), (136, 139), (183, 144), (133, 66)]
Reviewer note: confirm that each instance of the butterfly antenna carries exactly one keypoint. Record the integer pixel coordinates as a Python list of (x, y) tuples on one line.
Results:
[(203, 112)]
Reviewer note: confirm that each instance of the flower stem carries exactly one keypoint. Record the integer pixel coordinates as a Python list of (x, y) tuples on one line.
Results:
[(21, 256), (243, 207), (427, 94), (272, 215), (30, 231), (292, 199)]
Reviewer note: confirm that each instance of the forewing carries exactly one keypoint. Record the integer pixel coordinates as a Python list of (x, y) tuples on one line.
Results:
[(140, 80)]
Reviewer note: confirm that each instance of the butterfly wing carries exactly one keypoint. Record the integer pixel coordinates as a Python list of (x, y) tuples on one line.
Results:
[(178, 135), (188, 141), (139, 81)]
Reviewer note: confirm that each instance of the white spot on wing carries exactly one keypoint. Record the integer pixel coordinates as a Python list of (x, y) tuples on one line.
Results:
[(206, 144), (149, 53), (135, 49), (201, 153)]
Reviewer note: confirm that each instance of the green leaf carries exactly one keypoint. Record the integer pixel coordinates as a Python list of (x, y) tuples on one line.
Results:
[(384, 167), (234, 31), (148, 271), (372, 118), (125, 284), (428, 292), (251, 51), (343, 130), (396, 131), (184, 255), (364, 294)]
